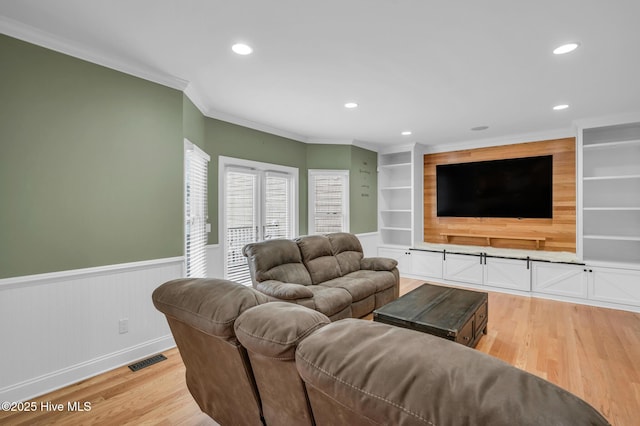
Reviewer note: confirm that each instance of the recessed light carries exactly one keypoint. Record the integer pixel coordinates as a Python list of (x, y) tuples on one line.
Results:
[(560, 107), (566, 48), (406, 133), (351, 105), (478, 128), (242, 49)]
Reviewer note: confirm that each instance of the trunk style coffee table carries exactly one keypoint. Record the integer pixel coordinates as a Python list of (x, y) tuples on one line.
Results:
[(452, 313)]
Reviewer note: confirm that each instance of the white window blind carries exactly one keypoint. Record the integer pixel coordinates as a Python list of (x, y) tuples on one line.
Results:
[(277, 202), (241, 213), (196, 211), (328, 201)]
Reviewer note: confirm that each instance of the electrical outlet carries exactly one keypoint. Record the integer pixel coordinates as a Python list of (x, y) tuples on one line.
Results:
[(123, 325)]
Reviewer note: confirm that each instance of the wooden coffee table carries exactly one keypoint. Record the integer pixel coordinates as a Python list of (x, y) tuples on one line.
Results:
[(452, 313)]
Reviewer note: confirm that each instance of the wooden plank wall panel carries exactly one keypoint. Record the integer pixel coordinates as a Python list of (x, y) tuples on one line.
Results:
[(560, 232)]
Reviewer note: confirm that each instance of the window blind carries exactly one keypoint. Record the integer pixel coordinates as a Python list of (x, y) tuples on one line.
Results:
[(196, 211), (328, 201)]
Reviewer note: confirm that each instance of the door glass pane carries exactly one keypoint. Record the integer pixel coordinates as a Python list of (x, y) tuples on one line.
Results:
[(241, 221), (277, 205)]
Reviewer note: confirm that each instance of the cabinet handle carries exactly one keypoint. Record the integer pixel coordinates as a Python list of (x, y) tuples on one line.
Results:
[(444, 255), (481, 258), (528, 260)]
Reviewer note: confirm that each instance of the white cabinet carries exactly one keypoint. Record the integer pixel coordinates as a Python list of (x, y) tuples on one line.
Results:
[(426, 264), (512, 274), (559, 279), (610, 189), (399, 204), (463, 268), (614, 285)]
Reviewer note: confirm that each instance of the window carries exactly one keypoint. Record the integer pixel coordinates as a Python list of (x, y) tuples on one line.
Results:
[(258, 202), (328, 201), (196, 211)]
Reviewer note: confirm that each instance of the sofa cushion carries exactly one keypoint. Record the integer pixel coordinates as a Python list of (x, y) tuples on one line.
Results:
[(318, 258), (278, 260), (347, 250), (262, 329), (358, 287), (330, 300), (381, 279)]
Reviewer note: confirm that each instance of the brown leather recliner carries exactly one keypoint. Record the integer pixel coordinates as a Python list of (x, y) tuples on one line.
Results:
[(300, 368), (201, 314)]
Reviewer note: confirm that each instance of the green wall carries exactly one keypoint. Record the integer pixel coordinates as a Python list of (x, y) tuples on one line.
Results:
[(231, 140), (91, 164)]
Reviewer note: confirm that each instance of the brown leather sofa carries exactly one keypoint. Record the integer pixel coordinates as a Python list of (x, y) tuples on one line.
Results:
[(327, 273), (253, 360)]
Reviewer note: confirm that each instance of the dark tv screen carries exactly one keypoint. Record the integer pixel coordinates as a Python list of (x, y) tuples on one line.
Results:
[(514, 188)]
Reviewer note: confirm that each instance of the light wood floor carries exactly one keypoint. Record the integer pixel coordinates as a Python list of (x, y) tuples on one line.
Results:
[(592, 352)]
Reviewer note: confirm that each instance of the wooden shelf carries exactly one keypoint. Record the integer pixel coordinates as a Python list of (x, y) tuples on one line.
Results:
[(537, 240)]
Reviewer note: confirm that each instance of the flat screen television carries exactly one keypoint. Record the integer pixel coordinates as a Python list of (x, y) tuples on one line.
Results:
[(511, 188)]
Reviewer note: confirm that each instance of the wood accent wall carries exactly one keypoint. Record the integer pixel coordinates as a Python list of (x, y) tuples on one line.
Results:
[(559, 232)]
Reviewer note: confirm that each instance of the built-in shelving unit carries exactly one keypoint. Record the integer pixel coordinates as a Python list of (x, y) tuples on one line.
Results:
[(611, 194), (397, 206)]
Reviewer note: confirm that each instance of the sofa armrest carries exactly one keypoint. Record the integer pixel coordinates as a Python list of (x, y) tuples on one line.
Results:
[(378, 263), (284, 291)]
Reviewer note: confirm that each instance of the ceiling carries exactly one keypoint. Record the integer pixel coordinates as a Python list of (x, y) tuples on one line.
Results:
[(436, 68)]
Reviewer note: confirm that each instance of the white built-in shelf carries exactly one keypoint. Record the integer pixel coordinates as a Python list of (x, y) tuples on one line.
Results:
[(611, 208), (608, 145), (390, 166), (611, 238), (396, 211), (395, 188), (611, 177), (392, 228)]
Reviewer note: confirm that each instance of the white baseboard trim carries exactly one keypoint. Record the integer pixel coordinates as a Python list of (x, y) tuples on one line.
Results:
[(58, 379)]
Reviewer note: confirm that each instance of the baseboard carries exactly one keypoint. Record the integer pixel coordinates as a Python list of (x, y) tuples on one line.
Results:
[(55, 380)]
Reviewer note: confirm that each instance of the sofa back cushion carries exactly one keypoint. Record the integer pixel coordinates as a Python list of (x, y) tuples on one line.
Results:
[(318, 258), (278, 260), (347, 250)]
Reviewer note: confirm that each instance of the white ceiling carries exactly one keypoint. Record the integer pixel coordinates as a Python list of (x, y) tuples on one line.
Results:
[(437, 68)]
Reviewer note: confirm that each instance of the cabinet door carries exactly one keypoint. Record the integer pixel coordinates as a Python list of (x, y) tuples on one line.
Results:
[(615, 285), (426, 264), (463, 268), (402, 256), (507, 273), (559, 279)]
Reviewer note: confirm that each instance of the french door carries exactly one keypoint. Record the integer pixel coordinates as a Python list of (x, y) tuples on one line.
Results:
[(258, 204)]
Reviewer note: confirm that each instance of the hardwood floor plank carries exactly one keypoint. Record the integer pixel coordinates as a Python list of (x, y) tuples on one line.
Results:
[(589, 351)]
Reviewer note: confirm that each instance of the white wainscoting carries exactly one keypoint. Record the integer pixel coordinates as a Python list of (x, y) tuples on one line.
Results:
[(370, 242), (60, 328)]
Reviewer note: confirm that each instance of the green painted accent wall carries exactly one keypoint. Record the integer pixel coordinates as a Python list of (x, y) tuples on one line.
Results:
[(363, 191), (193, 123), (363, 180), (91, 164), (231, 140)]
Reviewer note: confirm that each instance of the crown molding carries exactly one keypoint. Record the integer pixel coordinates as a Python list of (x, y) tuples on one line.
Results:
[(503, 140), (233, 119), (50, 41)]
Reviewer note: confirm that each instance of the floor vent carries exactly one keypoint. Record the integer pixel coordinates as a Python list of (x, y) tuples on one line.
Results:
[(147, 362)]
